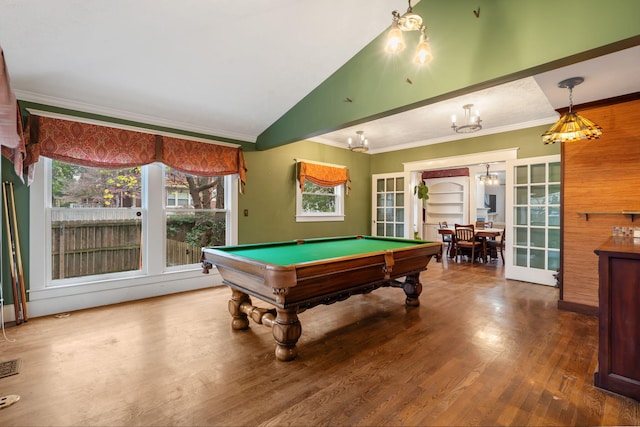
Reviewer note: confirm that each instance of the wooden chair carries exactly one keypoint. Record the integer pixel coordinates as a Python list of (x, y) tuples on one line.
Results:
[(495, 246), (466, 241), (447, 237)]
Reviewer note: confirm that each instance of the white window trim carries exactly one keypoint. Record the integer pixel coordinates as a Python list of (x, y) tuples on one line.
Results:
[(338, 215), (154, 280)]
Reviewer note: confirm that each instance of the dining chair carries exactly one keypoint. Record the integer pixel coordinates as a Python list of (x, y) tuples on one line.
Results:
[(448, 238), (466, 241), (496, 245)]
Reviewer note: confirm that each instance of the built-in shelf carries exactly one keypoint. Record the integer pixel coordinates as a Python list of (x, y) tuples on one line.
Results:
[(448, 201), (632, 214)]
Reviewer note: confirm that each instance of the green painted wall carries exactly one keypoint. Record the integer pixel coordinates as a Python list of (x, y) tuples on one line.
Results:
[(528, 141), (270, 194), (511, 39)]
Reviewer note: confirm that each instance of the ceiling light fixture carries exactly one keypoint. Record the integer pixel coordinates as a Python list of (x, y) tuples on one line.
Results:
[(361, 145), (408, 22), (571, 126), (489, 179), (471, 123)]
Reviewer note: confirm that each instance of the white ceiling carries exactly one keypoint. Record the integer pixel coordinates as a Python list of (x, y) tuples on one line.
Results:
[(232, 68), (531, 101)]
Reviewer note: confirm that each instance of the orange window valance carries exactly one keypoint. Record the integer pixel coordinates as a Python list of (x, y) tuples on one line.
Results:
[(323, 175), (108, 147)]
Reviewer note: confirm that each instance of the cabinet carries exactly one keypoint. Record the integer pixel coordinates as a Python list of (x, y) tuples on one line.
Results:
[(619, 329)]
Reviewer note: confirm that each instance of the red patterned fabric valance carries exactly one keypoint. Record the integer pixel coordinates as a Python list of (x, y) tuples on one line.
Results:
[(112, 148), (88, 144), (323, 175)]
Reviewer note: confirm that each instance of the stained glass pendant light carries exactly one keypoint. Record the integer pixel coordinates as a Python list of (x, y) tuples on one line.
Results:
[(571, 126)]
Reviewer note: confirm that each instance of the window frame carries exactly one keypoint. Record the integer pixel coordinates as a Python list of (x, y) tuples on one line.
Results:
[(155, 278), (228, 201), (336, 215)]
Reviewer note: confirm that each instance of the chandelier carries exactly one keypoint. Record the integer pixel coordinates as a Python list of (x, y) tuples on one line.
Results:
[(571, 126), (489, 179), (471, 123), (408, 22), (361, 145)]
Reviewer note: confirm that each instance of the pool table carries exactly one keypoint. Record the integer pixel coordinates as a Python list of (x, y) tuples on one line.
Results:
[(296, 275)]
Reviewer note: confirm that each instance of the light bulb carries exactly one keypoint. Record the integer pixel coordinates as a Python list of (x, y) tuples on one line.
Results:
[(395, 41), (423, 52)]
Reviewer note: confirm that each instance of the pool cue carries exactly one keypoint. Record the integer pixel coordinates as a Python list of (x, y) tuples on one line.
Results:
[(16, 238), (17, 307)]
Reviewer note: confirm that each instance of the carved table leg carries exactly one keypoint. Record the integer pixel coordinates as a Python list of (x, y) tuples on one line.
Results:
[(412, 288), (286, 331), (240, 320)]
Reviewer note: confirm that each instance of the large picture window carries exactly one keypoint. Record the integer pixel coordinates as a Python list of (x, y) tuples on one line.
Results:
[(117, 213), (101, 221)]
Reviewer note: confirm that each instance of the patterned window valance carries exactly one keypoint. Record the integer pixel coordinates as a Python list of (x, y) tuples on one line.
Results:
[(107, 147), (323, 175)]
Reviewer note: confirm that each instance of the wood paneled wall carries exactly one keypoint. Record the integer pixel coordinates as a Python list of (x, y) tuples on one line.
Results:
[(598, 176)]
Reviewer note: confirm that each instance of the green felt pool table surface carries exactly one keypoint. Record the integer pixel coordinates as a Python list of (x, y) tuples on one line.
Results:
[(296, 252)]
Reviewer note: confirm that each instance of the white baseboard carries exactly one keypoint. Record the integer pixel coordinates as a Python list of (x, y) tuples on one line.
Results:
[(78, 301)]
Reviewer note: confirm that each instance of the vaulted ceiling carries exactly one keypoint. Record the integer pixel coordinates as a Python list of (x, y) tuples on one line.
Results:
[(232, 69)]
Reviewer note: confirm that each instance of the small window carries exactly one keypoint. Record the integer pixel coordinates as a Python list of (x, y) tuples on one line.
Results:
[(317, 203)]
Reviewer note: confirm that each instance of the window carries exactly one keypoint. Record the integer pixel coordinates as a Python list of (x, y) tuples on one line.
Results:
[(195, 215), (104, 224), (96, 220), (317, 203)]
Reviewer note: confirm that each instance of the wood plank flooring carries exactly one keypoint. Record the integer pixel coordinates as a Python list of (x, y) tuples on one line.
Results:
[(479, 350)]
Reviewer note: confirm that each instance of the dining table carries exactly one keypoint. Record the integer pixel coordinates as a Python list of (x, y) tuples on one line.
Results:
[(483, 234)]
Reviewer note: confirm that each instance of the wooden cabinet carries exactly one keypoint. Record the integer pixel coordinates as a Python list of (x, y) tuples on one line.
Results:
[(619, 308)]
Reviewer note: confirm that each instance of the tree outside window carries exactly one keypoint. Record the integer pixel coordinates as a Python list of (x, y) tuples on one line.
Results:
[(318, 203), (195, 215)]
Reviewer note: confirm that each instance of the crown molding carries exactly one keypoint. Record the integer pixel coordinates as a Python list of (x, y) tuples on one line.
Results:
[(126, 115), (448, 138), (96, 122)]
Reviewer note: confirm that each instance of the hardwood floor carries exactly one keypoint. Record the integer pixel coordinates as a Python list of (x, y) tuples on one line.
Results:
[(479, 350)]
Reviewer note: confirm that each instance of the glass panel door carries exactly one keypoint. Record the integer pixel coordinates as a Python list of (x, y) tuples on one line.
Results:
[(388, 205), (534, 220)]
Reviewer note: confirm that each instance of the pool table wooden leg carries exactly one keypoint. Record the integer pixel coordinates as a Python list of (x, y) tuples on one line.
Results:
[(240, 320), (286, 331), (412, 288)]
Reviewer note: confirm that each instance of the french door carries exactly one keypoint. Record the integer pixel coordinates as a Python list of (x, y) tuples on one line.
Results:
[(533, 220), (389, 205)]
